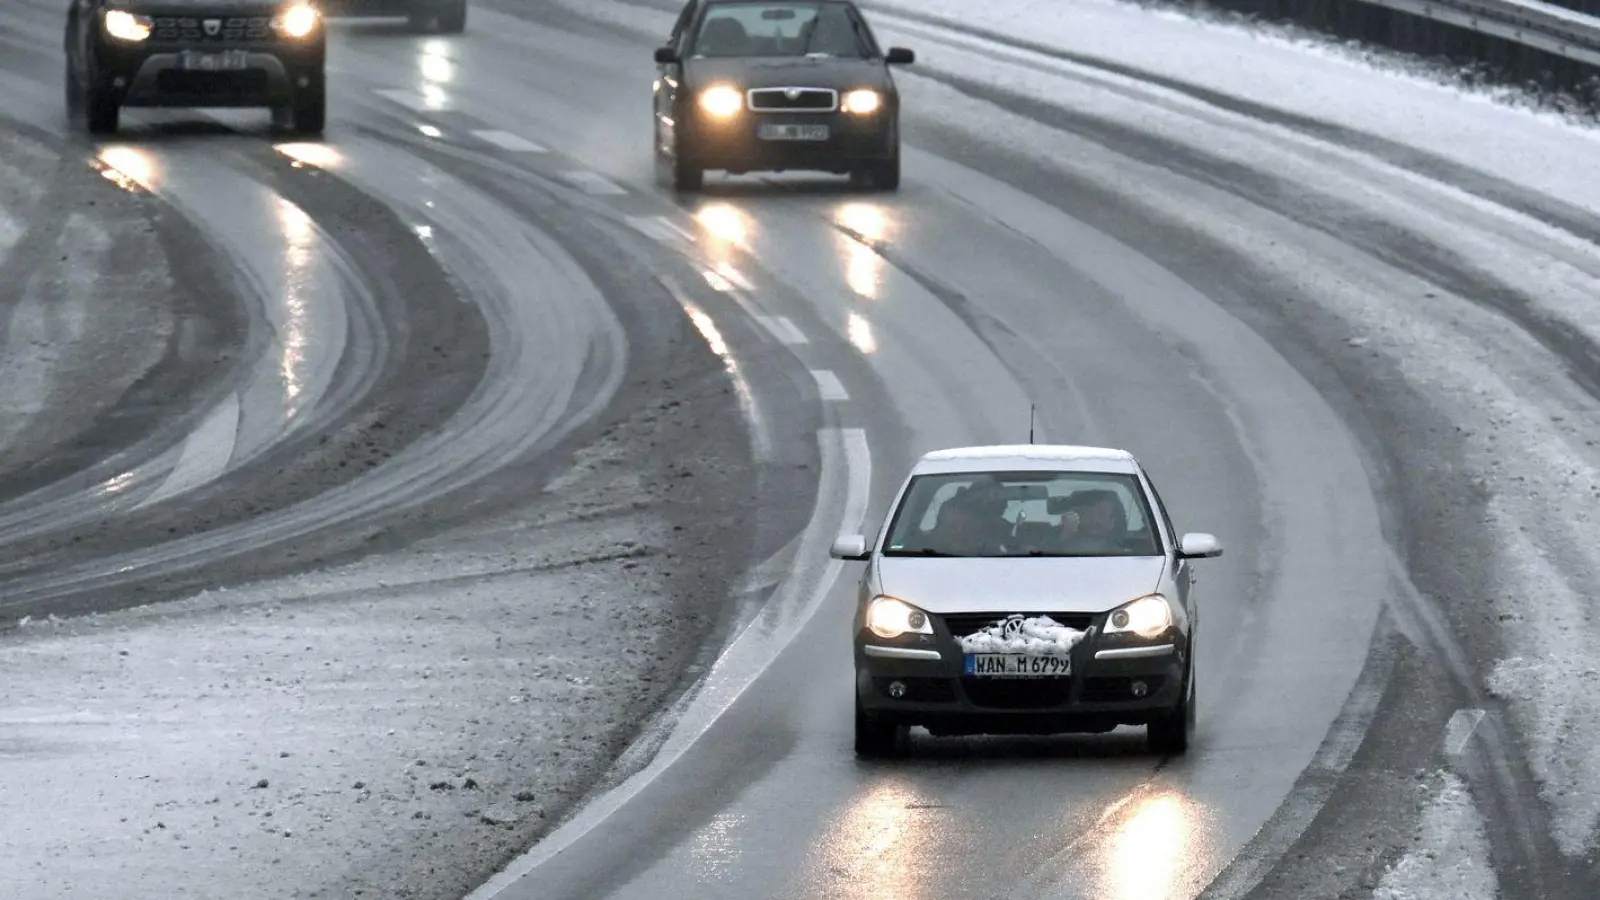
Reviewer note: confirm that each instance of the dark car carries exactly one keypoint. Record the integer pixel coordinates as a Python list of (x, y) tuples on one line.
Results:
[(444, 16), (773, 85), (1037, 589), (196, 53)]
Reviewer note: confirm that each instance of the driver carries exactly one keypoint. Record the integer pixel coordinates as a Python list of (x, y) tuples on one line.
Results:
[(972, 523)]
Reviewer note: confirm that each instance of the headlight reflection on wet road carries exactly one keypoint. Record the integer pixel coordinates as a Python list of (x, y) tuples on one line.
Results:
[(1147, 853), (867, 223), (879, 848), (299, 258)]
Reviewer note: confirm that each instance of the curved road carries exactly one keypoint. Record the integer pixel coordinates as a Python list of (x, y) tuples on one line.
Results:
[(457, 279)]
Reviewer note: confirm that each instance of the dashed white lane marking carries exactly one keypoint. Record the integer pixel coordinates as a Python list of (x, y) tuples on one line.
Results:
[(505, 140), (593, 183), (829, 385), (408, 99), (782, 329), (205, 453), (733, 276), (1459, 730)]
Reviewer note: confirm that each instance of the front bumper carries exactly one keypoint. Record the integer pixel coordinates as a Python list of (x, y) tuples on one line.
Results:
[(735, 144), (150, 76), (1098, 695)]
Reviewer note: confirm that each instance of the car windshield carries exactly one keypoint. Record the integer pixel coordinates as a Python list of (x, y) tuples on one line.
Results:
[(1021, 514), (779, 29)]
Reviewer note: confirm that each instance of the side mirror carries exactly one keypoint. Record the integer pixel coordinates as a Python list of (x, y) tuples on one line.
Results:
[(849, 546), (667, 54), (899, 56), (1199, 546)]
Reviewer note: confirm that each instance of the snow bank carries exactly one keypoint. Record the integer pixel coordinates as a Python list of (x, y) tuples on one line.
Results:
[(1450, 860), (1034, 635)]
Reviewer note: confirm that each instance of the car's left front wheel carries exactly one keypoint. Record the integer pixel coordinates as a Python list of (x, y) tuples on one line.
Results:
[(1169, 733), (875, 737)]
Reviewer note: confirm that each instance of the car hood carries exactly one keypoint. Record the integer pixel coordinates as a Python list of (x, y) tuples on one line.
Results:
[(1028, 584), (788, 71)]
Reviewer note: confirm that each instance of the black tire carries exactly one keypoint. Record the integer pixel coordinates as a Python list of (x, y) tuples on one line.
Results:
[(73, 94), (101, 111), (453, 19), (311, 109), (886, 174), (876, 738), (1169, 734), (686, 176)]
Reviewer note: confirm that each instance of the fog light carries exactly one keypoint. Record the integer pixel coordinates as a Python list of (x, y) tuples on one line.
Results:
[(305, 81), (1139, 688), (897, 689), (119, 81)]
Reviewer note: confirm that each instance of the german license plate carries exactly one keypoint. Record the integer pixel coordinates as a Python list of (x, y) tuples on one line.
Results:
[(226, 61), (1017, 665), (772, 132)]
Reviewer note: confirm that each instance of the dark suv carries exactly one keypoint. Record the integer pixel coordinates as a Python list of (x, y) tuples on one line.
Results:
[(196, 53)]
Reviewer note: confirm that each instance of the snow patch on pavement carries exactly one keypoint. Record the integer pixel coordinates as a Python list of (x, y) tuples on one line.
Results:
[(1450, 860)]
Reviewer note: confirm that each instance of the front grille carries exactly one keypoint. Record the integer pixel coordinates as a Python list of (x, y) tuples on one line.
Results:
[(232, 29), (1017, 693), (920, 690), (793, 99), (1116, 690), (963, 624)]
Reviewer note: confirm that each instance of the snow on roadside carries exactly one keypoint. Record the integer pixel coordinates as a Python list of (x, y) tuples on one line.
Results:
[(1451, 857), (1318, 78)]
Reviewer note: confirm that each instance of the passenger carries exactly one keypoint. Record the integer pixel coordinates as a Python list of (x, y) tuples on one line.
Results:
[(1094, 520)]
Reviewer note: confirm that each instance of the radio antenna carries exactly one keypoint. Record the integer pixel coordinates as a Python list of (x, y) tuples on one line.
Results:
[(1030, 423)]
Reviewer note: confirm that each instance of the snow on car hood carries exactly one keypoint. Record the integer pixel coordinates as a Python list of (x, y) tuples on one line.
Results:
[(1032, 634), (1019, 585)]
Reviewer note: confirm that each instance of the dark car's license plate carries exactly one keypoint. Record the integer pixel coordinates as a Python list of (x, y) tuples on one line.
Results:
[(774, 132), (1017, 665), (226, 61)]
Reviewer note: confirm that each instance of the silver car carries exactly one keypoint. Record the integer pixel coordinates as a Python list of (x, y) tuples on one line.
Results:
[(1031, 589)]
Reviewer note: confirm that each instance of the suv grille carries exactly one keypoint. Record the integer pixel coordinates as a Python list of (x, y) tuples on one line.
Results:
[(963, 624), (804, 99), (191, 30)]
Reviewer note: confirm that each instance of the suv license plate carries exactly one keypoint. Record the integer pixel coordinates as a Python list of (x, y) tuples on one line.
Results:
[(226, 61), (1017, 665), (793, 132)]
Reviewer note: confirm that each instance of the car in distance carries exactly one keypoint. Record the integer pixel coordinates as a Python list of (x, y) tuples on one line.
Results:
[(774, 85), (445, 16), (196, 53), (1031, 589)]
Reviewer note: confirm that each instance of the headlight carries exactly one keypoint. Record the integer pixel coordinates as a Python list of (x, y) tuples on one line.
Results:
[(125, 26), (298, 21), (1146, 617), (861, 102), (890, 617), (720, 101)]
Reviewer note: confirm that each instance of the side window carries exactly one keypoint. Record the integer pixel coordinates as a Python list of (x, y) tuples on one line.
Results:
[(684, 18)]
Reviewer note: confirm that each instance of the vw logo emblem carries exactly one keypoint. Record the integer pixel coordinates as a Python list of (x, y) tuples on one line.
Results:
[(1011, 627), (792, 93), (213, 26)]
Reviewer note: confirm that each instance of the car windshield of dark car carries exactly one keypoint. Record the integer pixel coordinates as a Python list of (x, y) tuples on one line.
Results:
[(778, 29), (1024, 514)]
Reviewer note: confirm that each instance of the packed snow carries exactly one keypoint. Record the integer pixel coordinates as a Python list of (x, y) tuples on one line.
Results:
[(1033, 635), (1450, 859)]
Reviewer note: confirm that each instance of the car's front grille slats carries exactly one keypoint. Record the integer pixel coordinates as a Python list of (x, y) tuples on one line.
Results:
[(792, 99), (230, 29), (963, 624)]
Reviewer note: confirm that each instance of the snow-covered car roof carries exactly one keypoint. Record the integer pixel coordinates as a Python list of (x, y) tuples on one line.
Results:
[(1026, 457)]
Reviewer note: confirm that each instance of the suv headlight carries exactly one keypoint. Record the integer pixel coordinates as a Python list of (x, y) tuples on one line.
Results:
[(125, 26), (297, 21), (1146, 617), (890, 617), (861, 102)]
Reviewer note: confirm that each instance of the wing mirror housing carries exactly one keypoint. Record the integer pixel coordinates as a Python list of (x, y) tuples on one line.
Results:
[(1199, 546), (666, 54), (899, 56), (849, 546)]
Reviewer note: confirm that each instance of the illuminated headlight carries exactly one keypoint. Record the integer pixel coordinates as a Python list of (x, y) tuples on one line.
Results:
[(890, 617), (861, 102), (297, 21), (720, 101), (125, 26), (1146, 617)]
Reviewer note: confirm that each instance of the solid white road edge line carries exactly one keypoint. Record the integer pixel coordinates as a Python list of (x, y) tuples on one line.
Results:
[(206, 452), (1458, 731), (745, 658), (783, 329), (829, 385), (505, 140)]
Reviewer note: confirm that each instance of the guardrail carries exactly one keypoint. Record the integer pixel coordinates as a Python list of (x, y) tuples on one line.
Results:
[(1553, 29)]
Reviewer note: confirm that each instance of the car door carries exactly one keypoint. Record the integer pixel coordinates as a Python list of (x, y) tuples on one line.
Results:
[(669, 76)]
